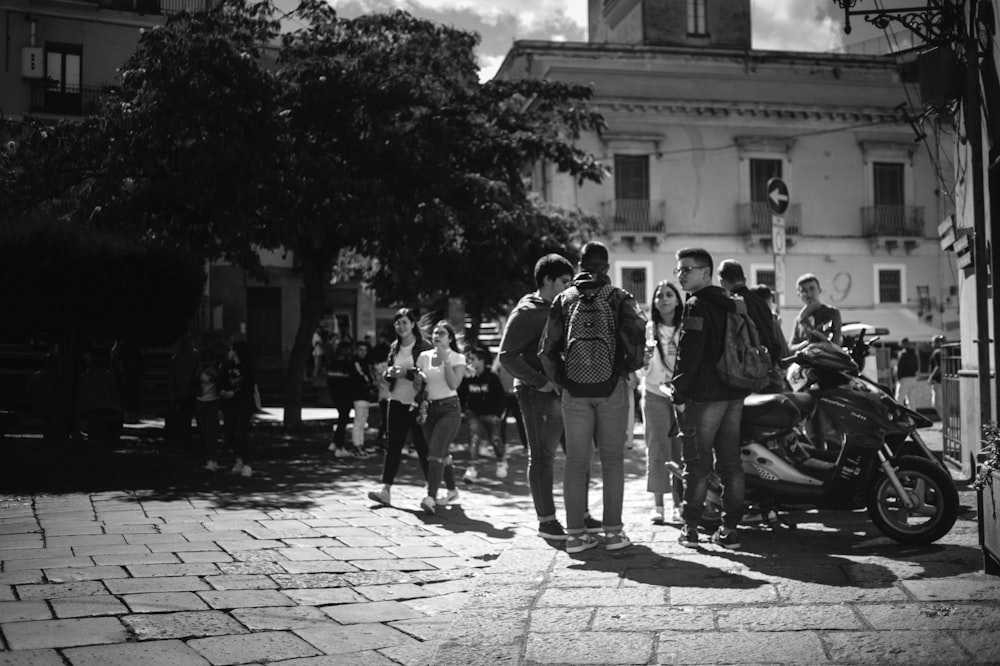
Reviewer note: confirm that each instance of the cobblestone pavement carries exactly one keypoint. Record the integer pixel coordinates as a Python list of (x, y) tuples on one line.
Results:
[(138, 559)]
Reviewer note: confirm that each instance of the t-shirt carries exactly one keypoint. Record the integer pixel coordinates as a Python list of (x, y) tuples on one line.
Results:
[(660, 372), (437, 386), (404, 391)]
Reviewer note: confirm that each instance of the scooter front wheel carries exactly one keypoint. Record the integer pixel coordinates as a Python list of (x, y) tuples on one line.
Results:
[(933, 496)]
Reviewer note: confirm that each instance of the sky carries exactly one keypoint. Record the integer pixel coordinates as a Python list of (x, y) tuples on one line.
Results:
[(783, 25)]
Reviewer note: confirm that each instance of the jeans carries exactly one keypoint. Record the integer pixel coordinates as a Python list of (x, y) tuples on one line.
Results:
[(341, 398), (708, 427), (206, 413), (487, 427), (590, 422), (400, 420), (543, 427), (661, 446), (444, 418), (360, 423)]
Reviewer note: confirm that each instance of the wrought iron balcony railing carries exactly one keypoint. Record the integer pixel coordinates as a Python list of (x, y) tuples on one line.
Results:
[(892, 221), (634, 215), (67, 100), (156, 6), (754, 219)]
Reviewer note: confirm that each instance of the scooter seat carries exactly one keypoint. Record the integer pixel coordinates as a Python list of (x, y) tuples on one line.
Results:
[(770, 410), (804, 402)]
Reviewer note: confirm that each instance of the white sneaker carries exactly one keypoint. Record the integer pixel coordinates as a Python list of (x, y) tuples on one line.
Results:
[(657, 514), (380, 496), (502, 469), (237, 468), (211, 466), (470, 475), (246, 471), (427, 504), (449, 498), (342, 453)]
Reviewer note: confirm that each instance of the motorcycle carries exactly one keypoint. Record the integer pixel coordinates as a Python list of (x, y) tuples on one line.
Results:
[(844, 443)]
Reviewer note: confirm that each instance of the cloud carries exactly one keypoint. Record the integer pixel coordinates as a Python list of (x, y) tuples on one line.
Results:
[(795, 25)]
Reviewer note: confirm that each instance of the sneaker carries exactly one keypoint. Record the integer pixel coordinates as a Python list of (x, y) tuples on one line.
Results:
[(657, 515), (362, 453), (551, 530), (675, 516), (727, 539), (211, 466), (246, 471), (470, 474), (449, 497), (502, 469), (577, 543), (593, 526), (237, 468), (339, 452), (428, 505), (689, 536), (617, 541), (380, 496)]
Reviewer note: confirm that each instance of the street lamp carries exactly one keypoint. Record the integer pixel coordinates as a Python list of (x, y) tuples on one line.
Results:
[(949, 24)]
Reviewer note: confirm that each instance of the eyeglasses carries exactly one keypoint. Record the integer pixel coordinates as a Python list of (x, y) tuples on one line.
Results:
[(678, 272)]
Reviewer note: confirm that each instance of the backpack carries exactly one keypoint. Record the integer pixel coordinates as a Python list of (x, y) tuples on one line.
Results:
[(745, 362), (589, 367)]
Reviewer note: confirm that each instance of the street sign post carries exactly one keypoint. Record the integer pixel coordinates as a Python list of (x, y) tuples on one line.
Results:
[(777, 201)]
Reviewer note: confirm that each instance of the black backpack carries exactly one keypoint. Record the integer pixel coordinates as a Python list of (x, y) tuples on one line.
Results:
[(745, 362)]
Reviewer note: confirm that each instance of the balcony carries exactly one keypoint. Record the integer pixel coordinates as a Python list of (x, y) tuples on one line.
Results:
[(629, 220), (69, 101), (754, 220), (893, 227), (156, 6)]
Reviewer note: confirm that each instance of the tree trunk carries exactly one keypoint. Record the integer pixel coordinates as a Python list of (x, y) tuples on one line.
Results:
[(475, 315), (314, 298)]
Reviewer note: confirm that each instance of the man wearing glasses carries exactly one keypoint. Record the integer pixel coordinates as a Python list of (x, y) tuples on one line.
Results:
[(708, 411)]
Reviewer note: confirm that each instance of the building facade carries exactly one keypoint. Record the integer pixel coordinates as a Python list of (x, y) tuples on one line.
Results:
[(698, 122)]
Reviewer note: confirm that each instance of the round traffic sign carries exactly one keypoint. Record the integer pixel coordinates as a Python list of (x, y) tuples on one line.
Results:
[(777, 196)]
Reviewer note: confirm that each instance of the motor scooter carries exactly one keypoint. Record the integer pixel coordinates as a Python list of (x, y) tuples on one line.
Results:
[(843, 442)]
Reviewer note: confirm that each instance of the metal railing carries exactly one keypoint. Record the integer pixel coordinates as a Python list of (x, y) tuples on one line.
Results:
[(156, 6), (754, 218), (893, 221), (951, 402), (46, 97), (634, 215)]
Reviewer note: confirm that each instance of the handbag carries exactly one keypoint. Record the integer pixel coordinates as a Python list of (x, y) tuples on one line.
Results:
[(421, 404)]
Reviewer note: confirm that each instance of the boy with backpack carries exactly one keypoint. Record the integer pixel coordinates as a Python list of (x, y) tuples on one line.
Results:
[(708, 409), (593, 340)]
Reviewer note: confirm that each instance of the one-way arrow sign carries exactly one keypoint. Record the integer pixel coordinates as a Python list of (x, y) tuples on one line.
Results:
[(777, 196)]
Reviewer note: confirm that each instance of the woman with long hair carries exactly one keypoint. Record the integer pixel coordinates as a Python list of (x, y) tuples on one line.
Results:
[(662, 444), (401, 413), (442, 369)]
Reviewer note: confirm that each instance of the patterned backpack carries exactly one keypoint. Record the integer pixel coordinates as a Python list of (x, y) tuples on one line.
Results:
[(590, 369)]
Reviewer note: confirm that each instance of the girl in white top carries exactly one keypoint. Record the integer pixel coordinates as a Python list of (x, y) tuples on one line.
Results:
[(657, 408), (442, 369)]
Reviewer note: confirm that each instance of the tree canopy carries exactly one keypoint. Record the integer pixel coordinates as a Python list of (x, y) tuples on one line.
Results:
[(370, 136)]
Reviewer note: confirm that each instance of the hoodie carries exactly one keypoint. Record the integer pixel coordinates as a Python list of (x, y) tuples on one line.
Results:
[(631, 324), (519, 344), (699, 348)]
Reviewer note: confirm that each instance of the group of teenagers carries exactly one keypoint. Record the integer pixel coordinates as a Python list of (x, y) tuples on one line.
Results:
[(691, 417)]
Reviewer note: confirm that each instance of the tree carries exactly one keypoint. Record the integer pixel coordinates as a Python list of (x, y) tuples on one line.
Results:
[(371, 137)]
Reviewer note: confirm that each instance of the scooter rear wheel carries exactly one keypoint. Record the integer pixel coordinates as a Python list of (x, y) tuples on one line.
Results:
[(933, 492)]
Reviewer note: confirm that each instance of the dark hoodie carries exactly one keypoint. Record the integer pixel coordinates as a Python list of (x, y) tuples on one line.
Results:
[(699, 348), (629, 347), (519, 344)]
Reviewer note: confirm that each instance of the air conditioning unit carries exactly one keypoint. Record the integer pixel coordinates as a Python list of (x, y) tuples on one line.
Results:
[(32, 62)]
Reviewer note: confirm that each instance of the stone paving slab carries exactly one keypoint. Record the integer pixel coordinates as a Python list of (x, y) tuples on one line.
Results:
[(154, 653), (257, 647), (63, 633)]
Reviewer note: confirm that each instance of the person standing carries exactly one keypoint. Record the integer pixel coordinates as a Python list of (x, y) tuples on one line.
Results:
[(934, 376), (401, 412), (906, 374), (483, 403), (364, 391), (206, 406), (237, 389), (708, 411), (816, 320), (340, 385), (734, 281), (441, 370), (593, 340), (662, 444), (537, 396), (182, 387)]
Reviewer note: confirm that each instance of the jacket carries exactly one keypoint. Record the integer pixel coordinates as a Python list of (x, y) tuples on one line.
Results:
[(483, 394), (630, 322), (761, 315), (699, 348), (519, 344)]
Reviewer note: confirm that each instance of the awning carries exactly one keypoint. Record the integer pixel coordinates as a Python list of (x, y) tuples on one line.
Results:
[(901, 322)]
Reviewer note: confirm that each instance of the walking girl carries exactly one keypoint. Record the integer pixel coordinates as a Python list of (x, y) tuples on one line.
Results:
[(237, 390), (662, 444), (401, 414), (442, 369)]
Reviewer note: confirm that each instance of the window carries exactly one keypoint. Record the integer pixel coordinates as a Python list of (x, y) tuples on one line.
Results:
[(696, 22), (62, 73), (761, 171), (890, 283), (636, 278), (763, 276), (632, 177), (888, 183)]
